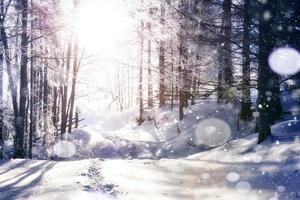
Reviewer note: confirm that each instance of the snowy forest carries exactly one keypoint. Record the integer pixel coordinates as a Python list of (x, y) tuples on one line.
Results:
[(149, 99)]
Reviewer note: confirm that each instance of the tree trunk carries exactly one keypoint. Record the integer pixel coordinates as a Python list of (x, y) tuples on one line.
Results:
[(141, 119), (246, 112), (54, 107), (220, 89), (181, 82), (74, 79), (194, 88), (76, 118), (225, 75), (40, 88), (1, 81), (161, 64), (269, 109), (32, 126), (172, 75), (150, 88), (227, 44), (64, 98), (20, 130), (1, 105), (47, 135), (75, 71)]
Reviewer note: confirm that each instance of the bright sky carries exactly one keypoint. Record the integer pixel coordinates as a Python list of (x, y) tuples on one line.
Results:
[(107, 32), (103, 24)]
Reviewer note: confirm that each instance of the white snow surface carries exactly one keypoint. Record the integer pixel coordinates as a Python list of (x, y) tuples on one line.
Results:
[(47, 180), (163, 159), (240, 169), (162, 135)]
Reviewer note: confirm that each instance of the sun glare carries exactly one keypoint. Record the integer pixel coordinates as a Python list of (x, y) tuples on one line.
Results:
[(102, 24), (105, 30)]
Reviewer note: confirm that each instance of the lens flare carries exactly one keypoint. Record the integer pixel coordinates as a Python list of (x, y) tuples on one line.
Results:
[(64, 149), (285, 61)]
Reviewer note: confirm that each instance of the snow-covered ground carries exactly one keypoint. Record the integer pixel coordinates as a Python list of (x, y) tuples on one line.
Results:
[(240, 169), (206, 156), (47, 180)]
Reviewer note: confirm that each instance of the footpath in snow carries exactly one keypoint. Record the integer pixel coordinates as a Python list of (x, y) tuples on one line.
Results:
[(48, 180), (238, 170), (203, 157)]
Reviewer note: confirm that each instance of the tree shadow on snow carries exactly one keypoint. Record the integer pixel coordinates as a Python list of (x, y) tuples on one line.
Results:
[(15, 189)]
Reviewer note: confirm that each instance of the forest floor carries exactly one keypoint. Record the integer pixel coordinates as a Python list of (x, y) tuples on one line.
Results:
[(269, 172), (162, 160), (45, 180)]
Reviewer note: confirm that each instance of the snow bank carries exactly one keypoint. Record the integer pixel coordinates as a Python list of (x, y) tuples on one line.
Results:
[(205, 125)]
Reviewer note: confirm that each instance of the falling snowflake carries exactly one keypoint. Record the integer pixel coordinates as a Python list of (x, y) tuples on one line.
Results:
[(267, 15)]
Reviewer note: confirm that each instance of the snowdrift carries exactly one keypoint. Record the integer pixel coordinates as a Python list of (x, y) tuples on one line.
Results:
[(205, 126)]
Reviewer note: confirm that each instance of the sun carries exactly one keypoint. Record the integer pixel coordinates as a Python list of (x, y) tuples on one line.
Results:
[(102, 24)]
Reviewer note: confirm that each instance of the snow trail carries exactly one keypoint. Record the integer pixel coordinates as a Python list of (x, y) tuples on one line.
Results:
[(47, 180)]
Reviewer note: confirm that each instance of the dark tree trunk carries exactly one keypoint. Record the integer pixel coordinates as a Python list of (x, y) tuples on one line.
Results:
[(1, 81), (54, 107), (74, 78), (194, 88), (186, 88), (75, 71), (1, 105), (181, 82), (33, 102), (162, 100), (45, 92), (150, 88), (227, 44), (172, 75), (225, 74), (64, 98), (20, 130), (246, 112), (76, 118), (269, 109), (141, 119), (220, 89)]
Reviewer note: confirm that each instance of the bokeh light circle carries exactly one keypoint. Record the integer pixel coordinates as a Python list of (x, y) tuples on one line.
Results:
[(285, 61), (64, 149), (212, 132)]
